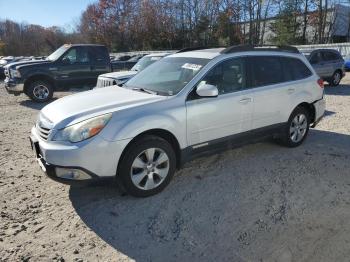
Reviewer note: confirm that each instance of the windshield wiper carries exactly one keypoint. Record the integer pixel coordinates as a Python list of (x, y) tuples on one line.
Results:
[(145, 90)]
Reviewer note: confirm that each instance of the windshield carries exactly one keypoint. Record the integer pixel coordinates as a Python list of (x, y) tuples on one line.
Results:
[(55, 55), (168, 76), (144, 62)]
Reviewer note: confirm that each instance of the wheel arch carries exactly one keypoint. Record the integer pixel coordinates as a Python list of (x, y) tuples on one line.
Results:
[(37, 77), (162, 133), (310, 108)]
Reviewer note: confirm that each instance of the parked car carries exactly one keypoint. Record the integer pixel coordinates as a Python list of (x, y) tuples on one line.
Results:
[(119, 65), (347, 63), (119, 78), (69, 66), (4, 61), (185, 105), (328, 64)]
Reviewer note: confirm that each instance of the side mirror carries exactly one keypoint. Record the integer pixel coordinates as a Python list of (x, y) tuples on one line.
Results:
[(206, 90)]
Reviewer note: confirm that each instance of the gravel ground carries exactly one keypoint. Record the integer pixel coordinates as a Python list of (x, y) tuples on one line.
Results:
[(261, 202)]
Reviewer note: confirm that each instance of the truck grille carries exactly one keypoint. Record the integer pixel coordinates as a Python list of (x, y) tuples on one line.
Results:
[(43, 132), (103, 82), (7, 73)]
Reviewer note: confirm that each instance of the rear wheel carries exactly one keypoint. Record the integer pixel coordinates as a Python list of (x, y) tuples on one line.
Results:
[(40, 91), (336, 78), (297, 128), (147, 166)]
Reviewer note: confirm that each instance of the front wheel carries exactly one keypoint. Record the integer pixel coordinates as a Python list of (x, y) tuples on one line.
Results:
[(147, 166), (40, 91), (297, 128)]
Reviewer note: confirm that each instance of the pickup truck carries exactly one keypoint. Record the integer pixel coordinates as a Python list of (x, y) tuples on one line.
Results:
[(69, 66)]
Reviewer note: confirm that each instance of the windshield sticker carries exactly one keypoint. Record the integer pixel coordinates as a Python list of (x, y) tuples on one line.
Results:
[(193, 67)]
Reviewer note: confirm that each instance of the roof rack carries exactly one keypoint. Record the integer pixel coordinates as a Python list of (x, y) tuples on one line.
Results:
[(244, 48), (187, 49)]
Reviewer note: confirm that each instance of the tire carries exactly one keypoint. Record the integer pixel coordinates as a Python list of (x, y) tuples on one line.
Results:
[(142, 176), (336, 78), (40, 91), (297, 128)]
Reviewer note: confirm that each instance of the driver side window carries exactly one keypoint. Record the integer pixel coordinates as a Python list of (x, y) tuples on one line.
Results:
[(228, 76), (76, 55)]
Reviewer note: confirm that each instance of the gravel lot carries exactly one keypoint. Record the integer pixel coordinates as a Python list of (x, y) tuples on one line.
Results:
[(261, 202)]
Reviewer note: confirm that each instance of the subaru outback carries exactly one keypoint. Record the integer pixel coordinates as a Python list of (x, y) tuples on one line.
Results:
[(183, 106)]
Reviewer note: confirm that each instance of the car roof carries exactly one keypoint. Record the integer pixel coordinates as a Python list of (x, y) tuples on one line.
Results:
[(202, 53), (157, 54)]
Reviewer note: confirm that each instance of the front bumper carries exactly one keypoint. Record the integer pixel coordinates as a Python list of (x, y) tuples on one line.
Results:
[(13, 86), (96, 158)]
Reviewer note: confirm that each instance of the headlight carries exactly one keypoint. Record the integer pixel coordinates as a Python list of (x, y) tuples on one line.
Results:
[(15, 73), (83, 130)]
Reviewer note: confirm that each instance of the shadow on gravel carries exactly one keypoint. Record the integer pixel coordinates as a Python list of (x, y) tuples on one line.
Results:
[(218, 208), (34, 105), (341, 90)]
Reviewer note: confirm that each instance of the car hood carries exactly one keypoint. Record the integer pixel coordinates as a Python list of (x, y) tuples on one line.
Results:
[(78, 107), (119, 75), (21, 64)]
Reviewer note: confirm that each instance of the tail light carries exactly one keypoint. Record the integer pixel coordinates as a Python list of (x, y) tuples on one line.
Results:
[(320, 83)]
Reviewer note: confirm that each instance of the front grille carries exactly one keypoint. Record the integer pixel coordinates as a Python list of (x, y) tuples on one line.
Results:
[(43, 132), (7, 73), (103, 82)]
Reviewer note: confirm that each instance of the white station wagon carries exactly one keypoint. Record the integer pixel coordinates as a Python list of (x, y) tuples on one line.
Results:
[(180, 107)]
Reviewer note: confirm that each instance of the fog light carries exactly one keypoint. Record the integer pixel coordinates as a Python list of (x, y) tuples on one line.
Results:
[(71, 173)]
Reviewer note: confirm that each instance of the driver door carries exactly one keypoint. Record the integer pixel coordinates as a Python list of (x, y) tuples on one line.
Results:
[(75, 68), (227, 114)]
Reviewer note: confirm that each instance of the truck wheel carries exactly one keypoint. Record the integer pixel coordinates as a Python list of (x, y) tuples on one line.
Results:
[(147, 166), (335, 80), (40, 91), (297, 128)]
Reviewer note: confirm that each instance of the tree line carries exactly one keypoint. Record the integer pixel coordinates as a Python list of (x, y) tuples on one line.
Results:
[(125, 25)]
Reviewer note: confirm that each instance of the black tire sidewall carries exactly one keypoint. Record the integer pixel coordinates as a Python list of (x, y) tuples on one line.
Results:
[(286, 134), (132, 152), (36, 83), (333, 78)]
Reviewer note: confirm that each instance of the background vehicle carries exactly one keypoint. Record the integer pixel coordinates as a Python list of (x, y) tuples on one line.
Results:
[(69, 66), (119, 78), (183, 106), (119, 65), (328, 64)]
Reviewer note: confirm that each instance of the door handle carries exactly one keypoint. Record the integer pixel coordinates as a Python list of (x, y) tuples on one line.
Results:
[(245, 100), (290, 90)]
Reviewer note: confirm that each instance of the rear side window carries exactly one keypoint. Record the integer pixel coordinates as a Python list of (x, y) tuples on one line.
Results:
[(266, 70), (329, 56), (99, 54), (294, 69)]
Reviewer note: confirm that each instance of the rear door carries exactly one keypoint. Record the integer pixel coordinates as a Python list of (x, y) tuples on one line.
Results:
[(101, 62), (227, 114), (271, 91), (321, 66), (276, 81)]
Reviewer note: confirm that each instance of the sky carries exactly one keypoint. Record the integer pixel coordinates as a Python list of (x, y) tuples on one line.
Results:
[(64, 13)]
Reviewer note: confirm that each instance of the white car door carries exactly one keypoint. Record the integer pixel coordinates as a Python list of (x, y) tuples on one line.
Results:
[(227, 114), (275, 81)]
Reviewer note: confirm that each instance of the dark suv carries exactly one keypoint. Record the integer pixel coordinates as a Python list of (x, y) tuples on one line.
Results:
[(328, 64), (69, 66)]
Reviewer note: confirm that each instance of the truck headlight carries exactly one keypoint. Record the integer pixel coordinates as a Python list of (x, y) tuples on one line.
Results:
[(83, 130), (15, 73)]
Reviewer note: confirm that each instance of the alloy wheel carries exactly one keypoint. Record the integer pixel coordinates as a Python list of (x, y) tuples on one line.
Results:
[(41, 92), (149, 168), (298, 128)]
